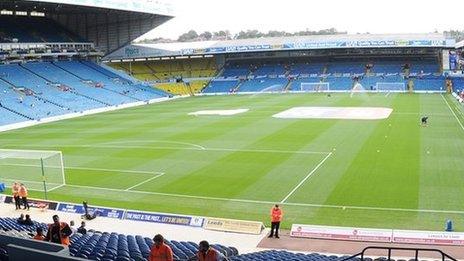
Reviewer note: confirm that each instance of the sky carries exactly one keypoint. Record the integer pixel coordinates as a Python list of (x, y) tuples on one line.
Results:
[(353, 16)]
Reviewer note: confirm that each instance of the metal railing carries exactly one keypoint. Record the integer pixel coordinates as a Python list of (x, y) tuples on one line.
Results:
[(361, 255)]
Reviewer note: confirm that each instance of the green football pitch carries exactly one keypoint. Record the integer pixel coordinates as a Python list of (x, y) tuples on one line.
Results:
[(390, 173)]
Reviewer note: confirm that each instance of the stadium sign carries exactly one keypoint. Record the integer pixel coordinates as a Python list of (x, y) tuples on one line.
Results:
[(428, 237), (232, 225), (35, 203), (341, 233), (378, 235), (164, 218), (102, 212), (322, 45)]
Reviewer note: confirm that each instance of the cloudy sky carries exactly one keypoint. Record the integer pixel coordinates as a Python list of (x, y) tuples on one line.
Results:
[(373, 16)]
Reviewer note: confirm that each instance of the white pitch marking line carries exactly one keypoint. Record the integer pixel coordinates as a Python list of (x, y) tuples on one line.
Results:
[(271, 202), (52, 189), (30, 181), (156, 141), (388, 93), (456, 117), (117, 170), (307, 177), (85, 168), (145, 181), (175, 148)]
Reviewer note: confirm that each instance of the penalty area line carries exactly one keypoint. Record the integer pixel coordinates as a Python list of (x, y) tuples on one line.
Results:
[(145, 181), (305, 178)]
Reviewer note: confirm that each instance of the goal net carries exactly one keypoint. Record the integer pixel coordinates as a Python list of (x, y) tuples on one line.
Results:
[(38, 170), (314, 86), (390, 86)]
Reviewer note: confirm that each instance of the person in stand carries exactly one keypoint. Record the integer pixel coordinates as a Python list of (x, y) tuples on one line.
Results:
[(15, 191), (21, 219), (28, 221), (58, 232), (23, 194), (39, 234), (160, 251), (82, 228), (276, 218), (207, 253)]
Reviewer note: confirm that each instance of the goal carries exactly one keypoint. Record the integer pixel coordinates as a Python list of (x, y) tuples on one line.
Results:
[(38, 170), (390, 86), (314, 86)]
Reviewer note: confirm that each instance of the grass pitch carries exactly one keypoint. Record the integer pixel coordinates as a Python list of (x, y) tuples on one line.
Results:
[(389, 173)]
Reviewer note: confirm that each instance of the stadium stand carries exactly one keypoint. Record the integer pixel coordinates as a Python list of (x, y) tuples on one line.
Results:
[(307, 68), (36, 90), (106, 246), (183, 88), (341, 75), (221, 86), (169, 69), (346, 67), (261, 84), (165, 73), (34, 30)]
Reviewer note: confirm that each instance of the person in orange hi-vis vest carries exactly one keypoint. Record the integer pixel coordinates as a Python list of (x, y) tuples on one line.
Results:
[(160, 251), (207, 253), (276, 218), (23, 195), (15, 191), (39, 235), (58, 232)]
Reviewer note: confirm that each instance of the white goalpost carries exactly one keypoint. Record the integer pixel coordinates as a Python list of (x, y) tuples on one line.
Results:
[(390, 86), (315, 86), (37, 169)]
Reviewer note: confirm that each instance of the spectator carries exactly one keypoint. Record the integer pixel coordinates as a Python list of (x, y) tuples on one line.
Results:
[(58, 232), (160, 251), (82, 228), (17, 199), (23, 194), (28, 221), (207, 253), (276, 218), (39, 235), (21, 219), (71, 225)]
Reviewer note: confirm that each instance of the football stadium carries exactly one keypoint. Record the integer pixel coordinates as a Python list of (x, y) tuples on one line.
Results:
[(348, 145)]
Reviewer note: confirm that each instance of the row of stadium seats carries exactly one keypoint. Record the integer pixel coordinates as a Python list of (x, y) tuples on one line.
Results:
[(156, 70), (36, 90), (332, 68), (106, 246), (113, 246), (28, 29), (182, 88), (335, 83), (274, 255)]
